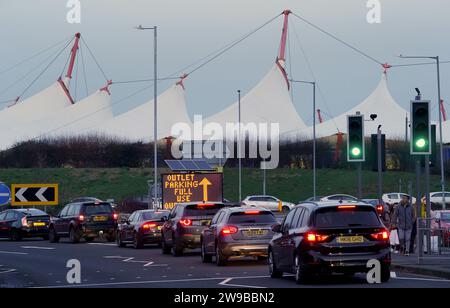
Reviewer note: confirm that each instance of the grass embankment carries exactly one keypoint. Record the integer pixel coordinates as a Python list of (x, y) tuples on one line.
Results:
[(288, 184)]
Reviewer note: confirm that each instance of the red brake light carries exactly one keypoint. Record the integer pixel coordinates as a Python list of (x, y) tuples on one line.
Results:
[(252, 212), (346, 207), (379, 209), (81, 218), (115, 216), (148, 226), (227, 230), (381, 236), (186, 222), (315, 238)]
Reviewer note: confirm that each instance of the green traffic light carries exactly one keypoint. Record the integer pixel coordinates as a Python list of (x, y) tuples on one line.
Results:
[(356, 151), (420, 143)]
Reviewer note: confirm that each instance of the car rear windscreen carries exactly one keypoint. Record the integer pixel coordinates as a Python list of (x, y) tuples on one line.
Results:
[(339, 218), (153, 215), (260, 218), (94, 209), (202, 209), (34, 212)]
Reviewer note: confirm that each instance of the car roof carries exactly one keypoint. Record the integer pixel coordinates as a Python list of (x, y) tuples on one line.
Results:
[(259, 196), (322, 204)]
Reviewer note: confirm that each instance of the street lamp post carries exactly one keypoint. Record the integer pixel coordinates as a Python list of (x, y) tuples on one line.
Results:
[(313, 83), (436, 58), (239, 146), (155, 110)]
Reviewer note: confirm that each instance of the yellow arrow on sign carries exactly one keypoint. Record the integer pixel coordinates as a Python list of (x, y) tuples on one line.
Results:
[(205, 183)]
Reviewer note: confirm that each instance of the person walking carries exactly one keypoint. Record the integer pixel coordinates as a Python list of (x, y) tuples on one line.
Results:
[(404, 219)]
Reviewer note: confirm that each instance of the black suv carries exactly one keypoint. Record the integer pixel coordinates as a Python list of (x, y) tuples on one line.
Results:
[(327, 237), (84, 220), (185, 224)]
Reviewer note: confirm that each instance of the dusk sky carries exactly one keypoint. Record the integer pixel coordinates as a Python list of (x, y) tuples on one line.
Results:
[(191, 29)]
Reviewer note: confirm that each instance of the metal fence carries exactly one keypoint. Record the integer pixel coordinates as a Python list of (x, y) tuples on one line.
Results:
[(433, 240)]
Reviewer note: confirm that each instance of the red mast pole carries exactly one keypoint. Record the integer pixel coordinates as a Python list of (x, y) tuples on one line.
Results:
[(319, 115), (444, 115), (73, 55), (282, 55)]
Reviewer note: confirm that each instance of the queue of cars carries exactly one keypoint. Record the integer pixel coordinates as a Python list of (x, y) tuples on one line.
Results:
[(315, 237)]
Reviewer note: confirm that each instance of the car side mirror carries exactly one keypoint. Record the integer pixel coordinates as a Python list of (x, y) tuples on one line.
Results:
[(276, 228)]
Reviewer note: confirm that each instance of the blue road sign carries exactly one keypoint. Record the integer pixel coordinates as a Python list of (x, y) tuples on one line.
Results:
[(5, 194)]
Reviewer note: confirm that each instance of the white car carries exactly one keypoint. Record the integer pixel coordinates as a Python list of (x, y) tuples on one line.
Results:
[(395, 198), (436, 200), (338, 197), (267, 202)]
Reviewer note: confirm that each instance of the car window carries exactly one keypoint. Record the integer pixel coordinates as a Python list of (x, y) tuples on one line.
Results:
[(132, 216), (216, 217), (393, 196), (437, 195), (202, 209), (298, 213), (305, 218), (270, 199), (75, 210), (253, 199), (151, 215), (65, 210), (2, 216), (95, 209), (334, 217), (11, 215), (263, 217), (288, 220)]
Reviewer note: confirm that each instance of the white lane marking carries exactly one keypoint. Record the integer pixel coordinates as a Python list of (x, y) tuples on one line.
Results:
[(132, 260), (148, 264), (14, 252), (147, 282), (103, 244), (423, 279), (7, 271), (37, 247), (393, 275), (226, 283)]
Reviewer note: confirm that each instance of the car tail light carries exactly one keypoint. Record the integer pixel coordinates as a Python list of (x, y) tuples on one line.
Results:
[(379, 209), (312, 237), (346, 207), (148, 226), (186, 222), (227, 230), (115, 216), (252, 212), (24, 222), (381, 236), (81, 218)]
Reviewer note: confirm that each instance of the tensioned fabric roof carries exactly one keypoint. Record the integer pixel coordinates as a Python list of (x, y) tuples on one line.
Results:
[(268, 102), (137, 123), (34, 108), (380, 102), (445, 131)]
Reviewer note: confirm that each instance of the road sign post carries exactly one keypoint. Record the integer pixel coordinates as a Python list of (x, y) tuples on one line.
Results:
[(34, 194)]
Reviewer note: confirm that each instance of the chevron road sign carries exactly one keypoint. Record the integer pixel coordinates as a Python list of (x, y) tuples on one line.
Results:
[(34, 194)]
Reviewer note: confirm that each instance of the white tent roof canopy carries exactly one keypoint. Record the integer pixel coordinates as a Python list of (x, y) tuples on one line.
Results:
[(137, 123), (268, 102), (389, 114)]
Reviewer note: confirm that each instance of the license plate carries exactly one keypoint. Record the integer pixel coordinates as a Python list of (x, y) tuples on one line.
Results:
[(255, 232), (201, 222), (38, 224), (159, 227), (350, 239), (100, 218)]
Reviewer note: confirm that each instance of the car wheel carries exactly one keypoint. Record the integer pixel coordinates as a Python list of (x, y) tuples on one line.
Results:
[(274, 272), (137, 242), (177, 249), (52, 236), (89, 239), (285, 209), (385, 273), (45, 237), (165, 248), (301, 274), (221, 260), (119, 240), (206, 258), (15, 236), (74, 236)]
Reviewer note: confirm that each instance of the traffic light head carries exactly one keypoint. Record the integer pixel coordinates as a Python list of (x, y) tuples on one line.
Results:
[(420, 128), (355, 138)]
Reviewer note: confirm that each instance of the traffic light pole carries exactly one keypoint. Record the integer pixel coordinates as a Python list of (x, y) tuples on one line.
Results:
[(380, 167), (359, 180), (427, 199)]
